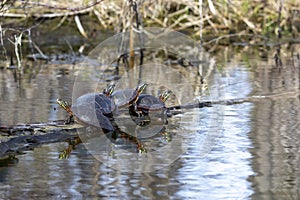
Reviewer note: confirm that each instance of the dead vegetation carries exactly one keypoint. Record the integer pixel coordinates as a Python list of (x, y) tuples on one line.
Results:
[(264, 17)]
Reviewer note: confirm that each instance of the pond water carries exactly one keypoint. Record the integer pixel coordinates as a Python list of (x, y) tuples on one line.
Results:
[(240, 151)]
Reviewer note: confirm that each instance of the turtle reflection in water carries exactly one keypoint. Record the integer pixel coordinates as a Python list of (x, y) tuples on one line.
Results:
[(116, 137), (125, 141)]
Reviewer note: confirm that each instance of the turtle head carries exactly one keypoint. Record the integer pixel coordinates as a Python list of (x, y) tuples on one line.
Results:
[(109, 90), (165, 95), (141, 87), (138, 91), (65, 105)]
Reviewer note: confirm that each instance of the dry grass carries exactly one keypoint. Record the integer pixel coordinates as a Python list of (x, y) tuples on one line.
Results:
[(219, 16)]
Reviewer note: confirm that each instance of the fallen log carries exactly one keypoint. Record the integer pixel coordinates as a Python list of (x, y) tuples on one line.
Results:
[(18, 138)]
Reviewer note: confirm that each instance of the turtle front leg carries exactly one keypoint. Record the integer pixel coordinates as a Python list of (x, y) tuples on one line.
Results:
[(133, 110), (165, 116)]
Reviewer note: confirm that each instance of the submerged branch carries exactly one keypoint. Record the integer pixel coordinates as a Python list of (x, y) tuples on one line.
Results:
[(251, 99)]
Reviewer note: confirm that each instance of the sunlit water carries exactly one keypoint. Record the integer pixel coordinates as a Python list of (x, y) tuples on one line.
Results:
[(240, 151)]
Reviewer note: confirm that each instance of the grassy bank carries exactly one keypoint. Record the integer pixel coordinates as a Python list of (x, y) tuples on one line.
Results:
[(219, 17)]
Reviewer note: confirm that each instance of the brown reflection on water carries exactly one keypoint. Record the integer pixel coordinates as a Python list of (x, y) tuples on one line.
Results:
[(30, 97), (81, 177), (275, 132)]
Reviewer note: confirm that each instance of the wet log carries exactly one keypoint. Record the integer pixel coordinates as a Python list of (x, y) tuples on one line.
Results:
[(18, 138), (251, 99)]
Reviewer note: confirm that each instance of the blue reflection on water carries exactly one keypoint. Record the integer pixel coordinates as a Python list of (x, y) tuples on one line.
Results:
[(223, 172)]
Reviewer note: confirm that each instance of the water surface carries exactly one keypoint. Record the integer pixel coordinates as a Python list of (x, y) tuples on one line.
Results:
[(240, 151)]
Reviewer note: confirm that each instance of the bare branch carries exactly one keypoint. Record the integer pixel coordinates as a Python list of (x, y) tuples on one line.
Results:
[(61, 7)]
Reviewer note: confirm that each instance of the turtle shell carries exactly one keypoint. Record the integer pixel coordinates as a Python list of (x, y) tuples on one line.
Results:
[(124, 97), (127, 97), (148, 102), (94, 109)]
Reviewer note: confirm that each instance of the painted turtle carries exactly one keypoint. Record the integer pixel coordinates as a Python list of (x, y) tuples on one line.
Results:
[(93, 109), (147, 102), (127, 97), (139, 112)]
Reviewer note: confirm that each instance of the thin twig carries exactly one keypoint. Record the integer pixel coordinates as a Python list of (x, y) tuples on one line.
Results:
[(62, 7), (2, 43), (79, 26), (234, 35), (201, 21), (279, 18), (46, 15)]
